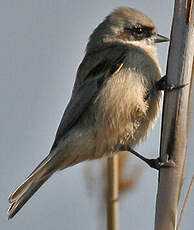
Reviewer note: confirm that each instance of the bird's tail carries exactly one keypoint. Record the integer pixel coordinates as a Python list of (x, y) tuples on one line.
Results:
[(24, 192)]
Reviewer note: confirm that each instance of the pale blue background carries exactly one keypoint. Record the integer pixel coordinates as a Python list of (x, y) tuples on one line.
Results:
[(42, 43)]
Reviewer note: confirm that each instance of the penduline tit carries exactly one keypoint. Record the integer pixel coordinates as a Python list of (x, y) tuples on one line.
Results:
[(115, 100)]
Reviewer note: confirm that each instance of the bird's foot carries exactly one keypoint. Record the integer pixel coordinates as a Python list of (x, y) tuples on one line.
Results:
[(163, 85), (153, 163), (158, 164)]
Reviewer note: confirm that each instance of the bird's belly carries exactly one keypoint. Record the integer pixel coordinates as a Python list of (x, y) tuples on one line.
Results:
[(125, 117), (127, 132), (119, 116)]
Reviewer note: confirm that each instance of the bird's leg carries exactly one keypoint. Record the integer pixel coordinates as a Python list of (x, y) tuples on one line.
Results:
[(153, 163), (162, 85), (156, 163)]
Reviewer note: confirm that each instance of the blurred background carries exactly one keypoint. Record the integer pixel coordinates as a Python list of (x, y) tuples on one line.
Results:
[(41, 46)]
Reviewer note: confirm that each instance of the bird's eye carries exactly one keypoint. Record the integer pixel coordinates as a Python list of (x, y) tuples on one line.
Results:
[(138, 30)]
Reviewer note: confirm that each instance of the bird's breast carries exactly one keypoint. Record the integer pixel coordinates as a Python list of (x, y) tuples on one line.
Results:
[(123, 114)]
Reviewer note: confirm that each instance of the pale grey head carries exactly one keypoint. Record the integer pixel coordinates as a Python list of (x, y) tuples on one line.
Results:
[(125, 25)]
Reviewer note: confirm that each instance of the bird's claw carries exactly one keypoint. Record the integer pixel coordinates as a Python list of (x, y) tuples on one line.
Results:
[(153, 163), (163, 85), (158, 164)]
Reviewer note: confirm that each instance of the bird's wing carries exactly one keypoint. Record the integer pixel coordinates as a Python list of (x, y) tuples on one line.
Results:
[(87, 85), (86, 89)]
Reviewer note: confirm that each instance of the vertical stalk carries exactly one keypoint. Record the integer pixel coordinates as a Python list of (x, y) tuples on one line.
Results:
[(112, 193), (175, 115)]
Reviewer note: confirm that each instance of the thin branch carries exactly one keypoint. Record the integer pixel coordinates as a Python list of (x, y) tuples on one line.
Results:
[(175, 115), (112, 193)]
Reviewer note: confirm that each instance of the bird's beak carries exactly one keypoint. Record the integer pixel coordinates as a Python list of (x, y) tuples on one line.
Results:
[(159, 38)]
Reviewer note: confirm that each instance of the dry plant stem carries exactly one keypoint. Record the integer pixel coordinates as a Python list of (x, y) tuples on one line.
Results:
[(175, 116), (112, 193), (185, 203)]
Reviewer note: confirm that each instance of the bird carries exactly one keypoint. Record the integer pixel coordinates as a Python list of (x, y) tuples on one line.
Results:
[(115, 100)]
